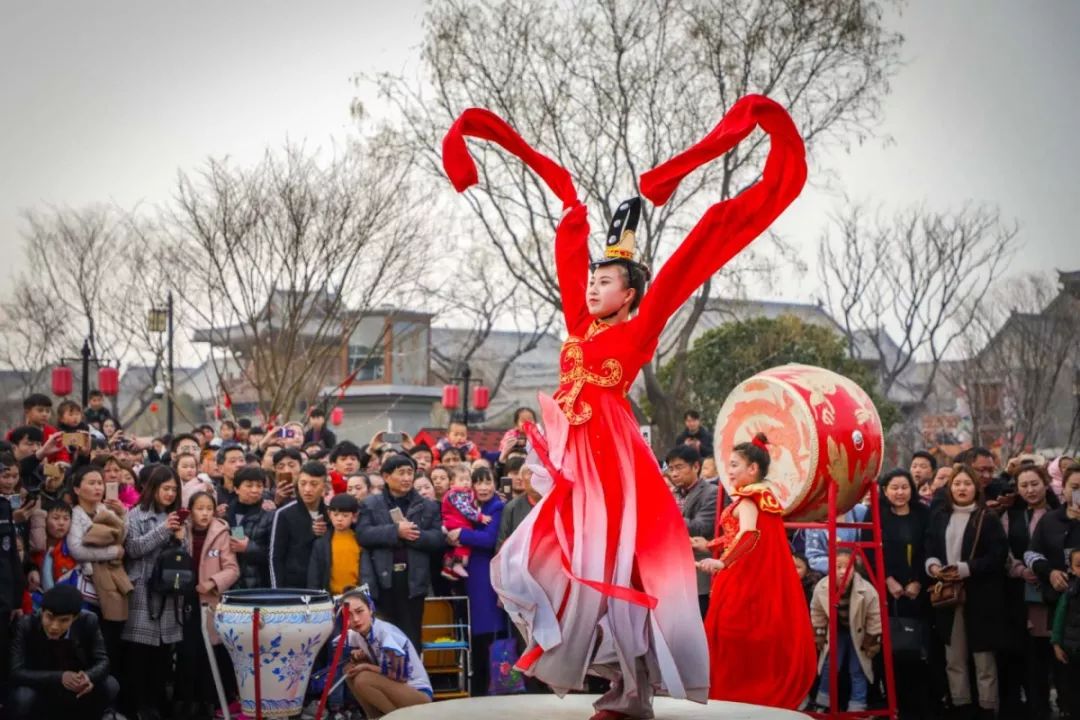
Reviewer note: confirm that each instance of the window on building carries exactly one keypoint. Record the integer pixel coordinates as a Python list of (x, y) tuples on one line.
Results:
[(370, 361)]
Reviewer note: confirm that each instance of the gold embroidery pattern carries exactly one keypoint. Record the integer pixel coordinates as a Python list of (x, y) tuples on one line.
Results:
[(579, 413), (766, 500)]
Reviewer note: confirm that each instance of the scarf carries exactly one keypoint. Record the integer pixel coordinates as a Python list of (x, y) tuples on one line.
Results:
[(954, 533)]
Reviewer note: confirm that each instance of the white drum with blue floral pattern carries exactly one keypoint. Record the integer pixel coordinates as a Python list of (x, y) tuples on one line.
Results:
[(294, 625)]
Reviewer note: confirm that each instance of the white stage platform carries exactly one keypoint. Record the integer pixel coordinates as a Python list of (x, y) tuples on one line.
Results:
[(579, 707)]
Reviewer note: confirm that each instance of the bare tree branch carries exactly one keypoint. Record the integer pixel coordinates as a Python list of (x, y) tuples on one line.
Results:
[(285, 259), (611, 88)]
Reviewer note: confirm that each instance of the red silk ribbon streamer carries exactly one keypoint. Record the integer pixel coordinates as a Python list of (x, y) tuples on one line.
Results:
[(486, 125)]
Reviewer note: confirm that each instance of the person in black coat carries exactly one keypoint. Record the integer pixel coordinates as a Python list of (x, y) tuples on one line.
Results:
[(396, 563), (59, 668), (322, 573), (966, 543), (904, 522), (246, 512), (296, 527), (317, 432), (1058, 530), (12, 580), (1025, 663)]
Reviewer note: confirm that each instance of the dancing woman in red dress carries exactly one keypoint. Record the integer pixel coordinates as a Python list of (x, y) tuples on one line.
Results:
[(756, 608), (600, 576)]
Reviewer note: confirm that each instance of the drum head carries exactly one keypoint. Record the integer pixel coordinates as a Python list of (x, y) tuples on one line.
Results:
[(274, 597), (822, 428), (767, 405)]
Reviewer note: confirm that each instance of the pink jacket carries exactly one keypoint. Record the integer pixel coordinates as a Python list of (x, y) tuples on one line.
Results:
[(217, 564)]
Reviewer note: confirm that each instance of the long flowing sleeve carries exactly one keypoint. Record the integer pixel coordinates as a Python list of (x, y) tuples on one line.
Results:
[(728, 226), (572, 234)]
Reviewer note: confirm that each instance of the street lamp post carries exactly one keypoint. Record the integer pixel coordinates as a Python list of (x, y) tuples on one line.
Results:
[(480, 397), (161, 320), (85, 357)]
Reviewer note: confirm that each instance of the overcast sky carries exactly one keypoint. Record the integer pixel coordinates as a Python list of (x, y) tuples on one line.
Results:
[(105, 100)]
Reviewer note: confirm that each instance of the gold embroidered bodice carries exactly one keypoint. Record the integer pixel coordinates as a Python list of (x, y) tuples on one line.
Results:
[(588, 364)]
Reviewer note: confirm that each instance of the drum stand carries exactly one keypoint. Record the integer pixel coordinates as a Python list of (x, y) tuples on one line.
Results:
[(858, 551)]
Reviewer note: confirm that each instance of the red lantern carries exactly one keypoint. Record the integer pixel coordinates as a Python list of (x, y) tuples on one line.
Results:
[(451, 397), (337, 415), (481, 397), (153, 407), (62, 380), (108, 379)]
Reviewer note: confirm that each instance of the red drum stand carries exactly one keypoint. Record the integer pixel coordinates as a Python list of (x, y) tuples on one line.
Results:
[(859, 550)]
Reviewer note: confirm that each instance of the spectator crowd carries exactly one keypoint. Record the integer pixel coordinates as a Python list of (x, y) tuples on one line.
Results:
[(111, 545)]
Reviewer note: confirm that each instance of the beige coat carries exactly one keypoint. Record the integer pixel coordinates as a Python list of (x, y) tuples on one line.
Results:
[(111, 581), (864, 614)]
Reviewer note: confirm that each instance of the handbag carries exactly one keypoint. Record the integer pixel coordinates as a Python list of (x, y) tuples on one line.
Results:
[(504, 678), (947, 594), (908, 638)]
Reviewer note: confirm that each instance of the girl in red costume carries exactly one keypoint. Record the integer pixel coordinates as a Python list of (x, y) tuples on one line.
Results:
[(756, 608), (600, 576)]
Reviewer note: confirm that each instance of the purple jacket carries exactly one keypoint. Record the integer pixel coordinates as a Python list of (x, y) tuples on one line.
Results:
[(485, 615)]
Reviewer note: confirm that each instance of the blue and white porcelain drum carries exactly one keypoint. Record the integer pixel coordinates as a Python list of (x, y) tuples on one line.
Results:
[(294, 625)]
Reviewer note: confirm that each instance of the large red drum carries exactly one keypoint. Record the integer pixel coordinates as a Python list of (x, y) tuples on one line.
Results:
[(821, 427)]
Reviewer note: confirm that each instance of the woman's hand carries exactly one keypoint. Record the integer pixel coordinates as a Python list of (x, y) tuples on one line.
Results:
[(238, 545), (913, 589), (354, 669), (23, 513), (116, 506), (506, 446), (895, 589), (173, 521), (950, 573), (934, 571), (1029, 576), (1059, 580), (709, 565), (453, 537), (1061, 655), (699, 543), (205, 588)]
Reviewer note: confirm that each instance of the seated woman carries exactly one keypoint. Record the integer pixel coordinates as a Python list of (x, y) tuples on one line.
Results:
[(384, 671)]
